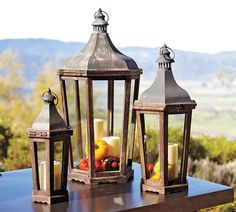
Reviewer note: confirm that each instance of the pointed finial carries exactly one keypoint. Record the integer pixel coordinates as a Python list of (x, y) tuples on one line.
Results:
[(164, 50), (165, 58), (49, 96), (100, 24), (99, 15)]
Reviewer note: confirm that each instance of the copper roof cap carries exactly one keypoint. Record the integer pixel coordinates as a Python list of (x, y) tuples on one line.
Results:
[(49, 119), (100, 53), (164, 89)]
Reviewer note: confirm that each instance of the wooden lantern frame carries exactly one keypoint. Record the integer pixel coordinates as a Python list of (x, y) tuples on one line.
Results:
[(164, 97), (164, 185), (100, 60), (125, 170), (57, 132)]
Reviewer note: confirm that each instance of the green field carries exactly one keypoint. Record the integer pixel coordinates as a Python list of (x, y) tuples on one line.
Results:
[(215, 113)]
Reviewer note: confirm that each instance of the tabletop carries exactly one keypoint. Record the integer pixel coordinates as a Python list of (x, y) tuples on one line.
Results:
[(16, 190)]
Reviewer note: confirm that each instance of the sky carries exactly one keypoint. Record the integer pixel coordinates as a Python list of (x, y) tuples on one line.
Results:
[(207, 26)]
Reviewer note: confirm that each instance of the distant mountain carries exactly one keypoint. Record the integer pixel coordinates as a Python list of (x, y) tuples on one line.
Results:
[(33, 53)]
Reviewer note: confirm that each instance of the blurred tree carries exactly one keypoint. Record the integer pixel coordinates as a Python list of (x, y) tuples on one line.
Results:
[(47, 78), (13, 107), (5, 136), (21, 108), (226, 78), (219, 149), (197, 150), (11, 74), (18, 156), (12, 98)]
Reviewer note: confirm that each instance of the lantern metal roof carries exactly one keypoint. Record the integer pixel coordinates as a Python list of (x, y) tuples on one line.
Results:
[(164, 89), (99, 54), (49, 119)]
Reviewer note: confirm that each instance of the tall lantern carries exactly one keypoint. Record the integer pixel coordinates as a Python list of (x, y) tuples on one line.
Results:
[(100, 62), (49, 143), (164, 98)]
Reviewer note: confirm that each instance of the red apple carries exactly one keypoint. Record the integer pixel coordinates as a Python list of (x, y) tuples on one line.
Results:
[(83, 164), (149, 169), (97, 165)]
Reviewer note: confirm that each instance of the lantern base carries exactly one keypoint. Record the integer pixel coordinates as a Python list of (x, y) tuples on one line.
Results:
[(102, 177), (50, 199), (164, 189)]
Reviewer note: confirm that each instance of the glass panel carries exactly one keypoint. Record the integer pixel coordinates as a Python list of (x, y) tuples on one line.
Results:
[(100, 93), (128, 153), (83, 143), (81, 151), (76, 98), (58, 152), (118, 107), (58, 146), (151, 144), (100, 100), (113, 142), (57, 175), (70, 91), (107, 143), (41, 150), (175, 144)]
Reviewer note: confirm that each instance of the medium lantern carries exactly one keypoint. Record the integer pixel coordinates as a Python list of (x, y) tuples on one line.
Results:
[(49, 143), (164, 98), (100, 62)]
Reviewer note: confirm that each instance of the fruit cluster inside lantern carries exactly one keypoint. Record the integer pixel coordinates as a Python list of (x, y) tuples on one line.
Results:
[(100, 154), (107, 151), (164, 99)]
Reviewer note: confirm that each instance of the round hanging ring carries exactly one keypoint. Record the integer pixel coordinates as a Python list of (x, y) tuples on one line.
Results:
[(102, 12), (173, 53), (107, 16), (56, 97)]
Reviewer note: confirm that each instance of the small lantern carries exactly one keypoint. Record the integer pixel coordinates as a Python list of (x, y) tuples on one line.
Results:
[(100, 61), (49, 143), (164, 98)]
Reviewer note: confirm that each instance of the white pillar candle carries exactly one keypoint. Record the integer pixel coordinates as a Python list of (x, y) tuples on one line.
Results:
[(98, 129), (57, 175), (114, 145), (42, 175), (173, 158)]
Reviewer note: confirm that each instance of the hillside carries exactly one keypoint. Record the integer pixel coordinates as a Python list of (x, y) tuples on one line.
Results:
[(33, 53), (196, 72)]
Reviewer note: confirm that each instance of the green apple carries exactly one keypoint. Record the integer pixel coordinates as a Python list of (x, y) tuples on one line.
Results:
[(156, 169)]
